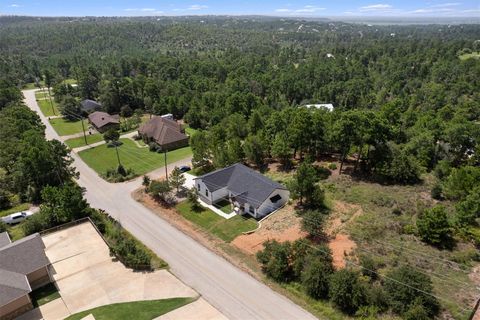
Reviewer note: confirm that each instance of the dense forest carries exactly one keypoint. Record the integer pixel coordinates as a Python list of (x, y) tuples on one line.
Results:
[(405, 105)]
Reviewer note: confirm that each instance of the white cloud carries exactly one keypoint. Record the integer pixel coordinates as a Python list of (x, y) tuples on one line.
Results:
[(14, 5), (308, 9), (197, 7), (448, 4), (381, 7)]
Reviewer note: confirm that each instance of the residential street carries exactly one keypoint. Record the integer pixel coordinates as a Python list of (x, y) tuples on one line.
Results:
[(232, 291)]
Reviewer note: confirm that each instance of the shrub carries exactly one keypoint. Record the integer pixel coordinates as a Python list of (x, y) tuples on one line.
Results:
[(323, 173), (434, 228), (36, 223), (468, 210), (436, 192), (312, 222), (192, 197), (160, 190), (442, 169), (406, 287), (369, 267), (126, 111), (332, 166), (275, 260), (416, 312), (152, 146), (4, 199), (316, 277), (3, 226), (346, 291)]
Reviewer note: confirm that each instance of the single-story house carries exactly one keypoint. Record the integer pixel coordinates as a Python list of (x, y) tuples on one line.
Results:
[(248, 191), (327, 106), (89, 106), (102, 121), (166, 133), (23, 268)]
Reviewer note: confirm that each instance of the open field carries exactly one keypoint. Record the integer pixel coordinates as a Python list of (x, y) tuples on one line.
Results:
[(141, 160), (141, 310), (65, 127), (385, 228), (46, 108), (225, 229), (80, 141)]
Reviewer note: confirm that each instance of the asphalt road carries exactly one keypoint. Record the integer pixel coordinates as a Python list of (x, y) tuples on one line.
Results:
[(232, 291)]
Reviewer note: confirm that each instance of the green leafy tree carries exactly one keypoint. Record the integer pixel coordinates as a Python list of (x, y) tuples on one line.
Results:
[(281, 150), (70, 108), (275, 260), (312, 222), (255, 149), (346, 291), (176, 178), (303, 185), (316, 277), (460, 182), (146, 181), (468, 210), (434, 228), (407, 288), (160, 190)]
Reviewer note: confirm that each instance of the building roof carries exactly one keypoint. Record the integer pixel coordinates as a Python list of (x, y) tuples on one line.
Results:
[(24, 256), (100, 119), (327, 106), (17, 260), (13, 285), (88, 105), (162, 130), (4, 239), (245, 184)]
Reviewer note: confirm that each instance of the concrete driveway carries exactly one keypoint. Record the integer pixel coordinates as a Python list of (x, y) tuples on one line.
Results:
[(87, 277)]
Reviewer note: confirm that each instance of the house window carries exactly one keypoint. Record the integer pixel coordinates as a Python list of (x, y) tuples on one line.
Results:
[(275, 198), (251, 209), (198, 187), (206, 192)]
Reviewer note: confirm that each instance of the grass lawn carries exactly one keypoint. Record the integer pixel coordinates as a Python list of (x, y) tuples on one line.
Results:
[(44, 295), (16, 232), (141, 160), (41, 95), (20, 207), (225, 229), (46, 108), (190, 131), (65, 127), (32, 85), (139, 310), (225, 206), (80, 141), (473, 55)]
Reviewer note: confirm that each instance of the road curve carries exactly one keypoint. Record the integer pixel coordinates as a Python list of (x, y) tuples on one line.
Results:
[(235, 293)]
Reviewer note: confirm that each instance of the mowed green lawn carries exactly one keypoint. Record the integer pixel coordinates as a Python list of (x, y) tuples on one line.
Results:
[(45, 104), (65, 127), (138, 310), (225, 229), (141, 160), (80, 141)]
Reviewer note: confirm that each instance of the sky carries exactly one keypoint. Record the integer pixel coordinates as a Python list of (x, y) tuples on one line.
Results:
[(300, 8)]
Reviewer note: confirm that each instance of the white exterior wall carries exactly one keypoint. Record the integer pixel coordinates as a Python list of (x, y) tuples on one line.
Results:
[(212, 196), (268, 206)]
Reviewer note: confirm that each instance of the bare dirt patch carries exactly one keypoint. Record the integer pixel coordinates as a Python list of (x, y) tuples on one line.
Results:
[(340, 243), (284, 225)]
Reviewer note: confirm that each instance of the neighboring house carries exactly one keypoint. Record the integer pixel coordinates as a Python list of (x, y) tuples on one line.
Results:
[(89, 106), (23, 268), (166, 133), (247, 190), (327, 106), (102, 121)]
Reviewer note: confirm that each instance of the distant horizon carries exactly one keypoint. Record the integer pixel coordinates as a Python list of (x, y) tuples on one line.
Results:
[(299, 9)]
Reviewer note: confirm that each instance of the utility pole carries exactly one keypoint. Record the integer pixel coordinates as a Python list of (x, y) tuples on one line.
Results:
[(166, 170), (84, 135), (118, 156)]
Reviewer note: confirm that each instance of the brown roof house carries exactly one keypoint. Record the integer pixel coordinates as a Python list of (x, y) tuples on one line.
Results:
[(23, 268), (166, 133), (102, 121)]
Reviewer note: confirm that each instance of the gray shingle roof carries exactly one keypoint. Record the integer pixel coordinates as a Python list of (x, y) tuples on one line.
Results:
[(24, 256), (4, 239), (90, 105), (13, 285), (245, 184)]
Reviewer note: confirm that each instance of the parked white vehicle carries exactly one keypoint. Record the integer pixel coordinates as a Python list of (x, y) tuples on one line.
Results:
[(17, 217)]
